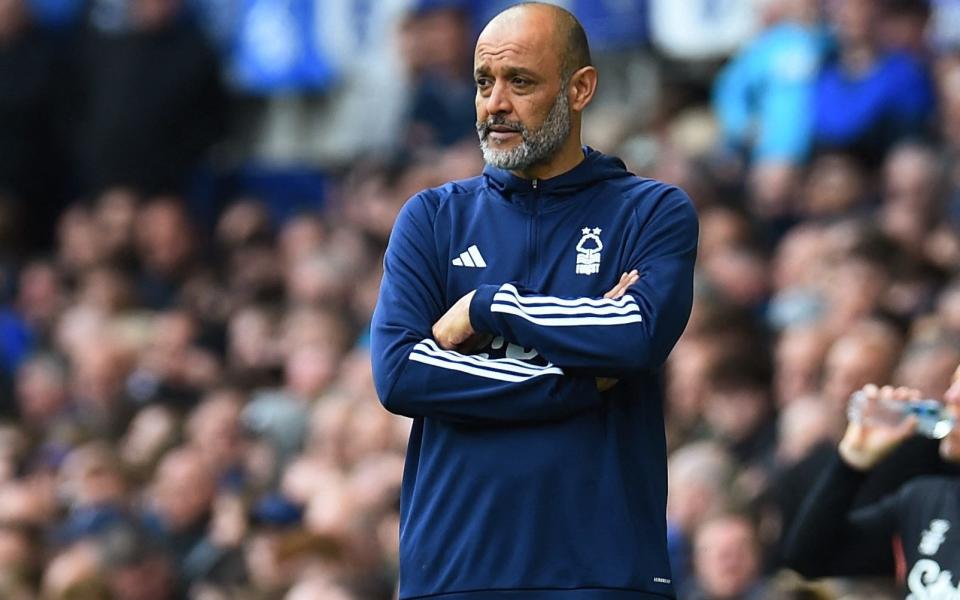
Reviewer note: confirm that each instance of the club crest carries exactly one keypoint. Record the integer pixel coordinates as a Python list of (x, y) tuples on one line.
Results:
[(588, 251)]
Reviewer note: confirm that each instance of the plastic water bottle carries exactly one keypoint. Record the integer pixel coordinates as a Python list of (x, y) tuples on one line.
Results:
[(933, 419)]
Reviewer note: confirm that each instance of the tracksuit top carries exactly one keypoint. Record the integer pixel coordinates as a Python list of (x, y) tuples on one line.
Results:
[(522, 480)]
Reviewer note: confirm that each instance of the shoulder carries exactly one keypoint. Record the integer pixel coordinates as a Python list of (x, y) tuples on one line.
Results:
[(930, 486), (434, 198), (928, 491), (426, 203), (650, 199)]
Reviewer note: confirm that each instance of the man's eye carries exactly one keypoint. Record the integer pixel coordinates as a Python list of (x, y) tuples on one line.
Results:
[(519, 81), (483, 82)]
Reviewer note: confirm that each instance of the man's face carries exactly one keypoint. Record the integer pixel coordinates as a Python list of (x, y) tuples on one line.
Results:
[(725, 557), (950, 445), (523, 111)]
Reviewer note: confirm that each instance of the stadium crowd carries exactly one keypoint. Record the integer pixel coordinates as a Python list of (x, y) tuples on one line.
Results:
[(194, 201)]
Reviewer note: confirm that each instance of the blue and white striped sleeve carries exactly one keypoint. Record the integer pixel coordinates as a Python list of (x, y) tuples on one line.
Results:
[(600, 336), (416, 378)]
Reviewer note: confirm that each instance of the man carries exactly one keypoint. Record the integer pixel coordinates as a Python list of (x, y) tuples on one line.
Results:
[(914, 527), (523, 318)]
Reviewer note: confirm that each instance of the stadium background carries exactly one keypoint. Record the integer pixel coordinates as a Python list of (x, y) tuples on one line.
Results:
[(194, 200)]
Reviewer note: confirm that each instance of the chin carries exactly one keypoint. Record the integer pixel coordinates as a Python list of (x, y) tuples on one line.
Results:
[(950, 449)]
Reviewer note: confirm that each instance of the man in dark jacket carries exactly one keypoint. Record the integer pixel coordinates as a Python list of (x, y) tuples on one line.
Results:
[(918, 523), (151, 100), (523, 319)]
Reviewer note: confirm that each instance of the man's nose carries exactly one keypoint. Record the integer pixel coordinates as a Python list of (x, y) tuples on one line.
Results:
[(498, 102)]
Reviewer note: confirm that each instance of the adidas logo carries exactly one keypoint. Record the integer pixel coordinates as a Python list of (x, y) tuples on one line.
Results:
[(470, 258)]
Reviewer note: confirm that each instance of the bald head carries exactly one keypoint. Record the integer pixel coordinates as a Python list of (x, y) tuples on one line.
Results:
[(534, 80), (568, 39)]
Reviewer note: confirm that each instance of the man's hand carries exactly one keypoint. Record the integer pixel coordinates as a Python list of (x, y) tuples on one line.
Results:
[(866, 443), (626, 280), (454, 328)]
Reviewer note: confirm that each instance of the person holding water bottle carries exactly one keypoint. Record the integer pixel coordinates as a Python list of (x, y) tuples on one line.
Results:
[(920, 523)]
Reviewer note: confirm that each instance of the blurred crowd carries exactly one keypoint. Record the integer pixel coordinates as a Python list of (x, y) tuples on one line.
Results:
[(194, 201)]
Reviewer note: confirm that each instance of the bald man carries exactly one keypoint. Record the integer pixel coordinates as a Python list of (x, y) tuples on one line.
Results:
[(523, 319)]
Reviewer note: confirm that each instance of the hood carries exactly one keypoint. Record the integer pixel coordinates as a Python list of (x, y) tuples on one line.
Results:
[(595, 167)]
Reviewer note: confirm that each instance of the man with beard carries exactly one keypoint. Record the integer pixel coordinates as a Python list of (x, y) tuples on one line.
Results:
[(523, 319)]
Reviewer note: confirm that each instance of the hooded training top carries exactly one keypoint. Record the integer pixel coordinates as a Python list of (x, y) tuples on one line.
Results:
[(522, 480)]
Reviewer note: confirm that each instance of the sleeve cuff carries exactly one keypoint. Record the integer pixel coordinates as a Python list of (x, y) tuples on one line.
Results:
[(481, 317)]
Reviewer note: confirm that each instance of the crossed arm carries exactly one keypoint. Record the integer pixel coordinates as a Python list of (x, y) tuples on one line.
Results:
[(421, 350), (454, 331)]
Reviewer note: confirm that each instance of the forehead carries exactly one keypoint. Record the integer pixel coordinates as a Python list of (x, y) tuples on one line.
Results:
[(518, 41)]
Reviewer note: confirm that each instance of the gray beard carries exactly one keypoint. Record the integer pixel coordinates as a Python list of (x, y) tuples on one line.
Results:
[(535, 147)]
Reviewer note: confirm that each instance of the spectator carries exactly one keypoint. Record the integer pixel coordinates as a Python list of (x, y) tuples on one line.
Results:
[(32, 127), (915, 512), (152, 102), (763, 100), (699, 474), (438, 54), (738, 409), (911, 197), (727, 560), (886, 94), (179, 503)]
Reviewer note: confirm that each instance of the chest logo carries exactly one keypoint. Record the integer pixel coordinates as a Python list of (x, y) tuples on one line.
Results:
[(588, 251), (928, 581), (470, 258), (933, 536)]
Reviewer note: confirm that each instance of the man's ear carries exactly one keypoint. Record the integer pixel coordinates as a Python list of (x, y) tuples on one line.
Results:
[(583, 84)]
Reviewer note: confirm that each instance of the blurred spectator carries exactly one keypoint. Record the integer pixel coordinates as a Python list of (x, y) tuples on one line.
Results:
[(165, 247), (836, 185), (438, 53), (911, 196), (180, 501), (94, 489), (739, 411), (885, 94), (799, 358), (763, 101), (151, 100), (135, 567), (699, 475), (33, 170), (904, 26), (727, 560)]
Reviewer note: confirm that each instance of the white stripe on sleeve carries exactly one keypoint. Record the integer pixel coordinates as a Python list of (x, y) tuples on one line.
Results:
[(501, 369), (547, 309), (508, 288), (567, 321)]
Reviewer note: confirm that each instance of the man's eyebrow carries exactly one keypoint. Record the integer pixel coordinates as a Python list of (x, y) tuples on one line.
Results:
[(508, 72), (511, 71)]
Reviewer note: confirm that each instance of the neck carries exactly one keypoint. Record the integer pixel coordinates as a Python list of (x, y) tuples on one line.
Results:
[(569, 156)]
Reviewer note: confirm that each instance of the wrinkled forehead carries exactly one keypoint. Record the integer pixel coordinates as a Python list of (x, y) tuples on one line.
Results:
[(518, 40)]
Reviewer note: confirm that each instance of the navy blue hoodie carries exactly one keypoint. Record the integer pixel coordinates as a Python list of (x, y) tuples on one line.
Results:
[(522, 480)]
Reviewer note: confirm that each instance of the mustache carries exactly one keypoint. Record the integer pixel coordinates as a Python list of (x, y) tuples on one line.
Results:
[(484, 127)]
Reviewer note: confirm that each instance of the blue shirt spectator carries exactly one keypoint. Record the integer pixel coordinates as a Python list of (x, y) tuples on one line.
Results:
[(867, 112), (763, 96)]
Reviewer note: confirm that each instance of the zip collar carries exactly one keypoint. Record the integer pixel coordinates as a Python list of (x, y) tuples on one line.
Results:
[(594, 167)]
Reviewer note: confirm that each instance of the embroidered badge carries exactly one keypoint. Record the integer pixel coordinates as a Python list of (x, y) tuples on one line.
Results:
[(588, 251)]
